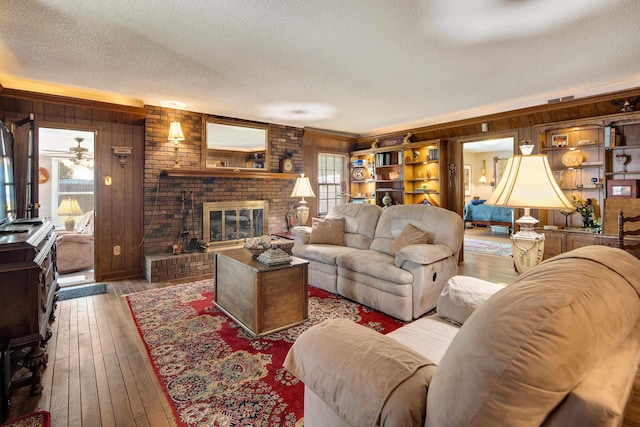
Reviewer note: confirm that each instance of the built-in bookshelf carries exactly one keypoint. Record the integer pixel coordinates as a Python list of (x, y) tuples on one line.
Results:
[(407, 173)]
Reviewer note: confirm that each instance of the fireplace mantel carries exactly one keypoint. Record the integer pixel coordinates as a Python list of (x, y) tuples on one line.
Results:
[(226, 173)]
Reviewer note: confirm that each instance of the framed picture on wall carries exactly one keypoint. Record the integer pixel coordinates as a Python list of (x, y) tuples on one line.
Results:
[(466, 180)]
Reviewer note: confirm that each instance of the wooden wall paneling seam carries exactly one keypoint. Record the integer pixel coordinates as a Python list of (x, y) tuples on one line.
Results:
[(118, 202), (106, 219)]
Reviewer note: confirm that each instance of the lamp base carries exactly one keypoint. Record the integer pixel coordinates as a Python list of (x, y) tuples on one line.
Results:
[(302, 212), (527, 244), (69, 224), (527, 251)]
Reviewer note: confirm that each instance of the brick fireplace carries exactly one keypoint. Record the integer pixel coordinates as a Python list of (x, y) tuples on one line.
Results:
[(163, 216)]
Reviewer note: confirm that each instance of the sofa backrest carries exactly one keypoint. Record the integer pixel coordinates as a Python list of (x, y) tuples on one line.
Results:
[(443, 226), (360, 220), (522, 352)]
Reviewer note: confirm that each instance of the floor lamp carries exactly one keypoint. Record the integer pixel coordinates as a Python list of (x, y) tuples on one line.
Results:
[(302, 189), (528, 183)]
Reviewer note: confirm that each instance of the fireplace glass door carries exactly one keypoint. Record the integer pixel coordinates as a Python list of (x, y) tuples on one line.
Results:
[(225, 223)]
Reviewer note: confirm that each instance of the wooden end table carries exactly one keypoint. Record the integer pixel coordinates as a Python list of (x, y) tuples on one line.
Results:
[(261, 299)]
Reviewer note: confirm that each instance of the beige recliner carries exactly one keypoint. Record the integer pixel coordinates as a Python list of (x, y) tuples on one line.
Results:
[(75, 248)]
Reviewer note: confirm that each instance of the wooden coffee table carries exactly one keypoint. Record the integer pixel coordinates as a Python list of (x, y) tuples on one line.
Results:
[(260, 298)]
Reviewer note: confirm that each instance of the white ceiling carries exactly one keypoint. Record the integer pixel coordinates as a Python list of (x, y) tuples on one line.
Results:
[(366, 66)]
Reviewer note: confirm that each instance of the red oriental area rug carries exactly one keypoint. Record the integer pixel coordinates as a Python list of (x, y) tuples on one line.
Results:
[(213, 373), (37, 419)]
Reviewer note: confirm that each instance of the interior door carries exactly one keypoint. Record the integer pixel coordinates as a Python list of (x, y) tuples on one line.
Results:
[(26, 167)]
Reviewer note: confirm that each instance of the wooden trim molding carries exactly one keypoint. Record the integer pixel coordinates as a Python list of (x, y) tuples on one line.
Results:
[(226, 173)]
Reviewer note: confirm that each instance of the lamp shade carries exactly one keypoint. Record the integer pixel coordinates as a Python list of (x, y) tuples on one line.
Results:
[(302, 188), (69, 207), (528, 183), (483, 179), (175, 132)]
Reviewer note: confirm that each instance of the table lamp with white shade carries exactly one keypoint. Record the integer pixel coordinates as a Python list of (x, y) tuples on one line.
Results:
[(69, 207), (302, 189), (528, 183)]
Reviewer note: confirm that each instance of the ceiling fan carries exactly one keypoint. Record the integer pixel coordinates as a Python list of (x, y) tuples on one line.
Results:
[(76, 154), (79, 151)]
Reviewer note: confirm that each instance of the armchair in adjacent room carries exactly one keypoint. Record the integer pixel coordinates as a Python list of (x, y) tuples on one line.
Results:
[(75, 248)]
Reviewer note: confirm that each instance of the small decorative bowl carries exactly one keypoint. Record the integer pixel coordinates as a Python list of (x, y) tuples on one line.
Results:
[(256, 251)]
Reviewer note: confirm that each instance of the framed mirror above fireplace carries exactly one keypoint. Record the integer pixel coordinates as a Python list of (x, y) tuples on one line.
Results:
[(229, 144)]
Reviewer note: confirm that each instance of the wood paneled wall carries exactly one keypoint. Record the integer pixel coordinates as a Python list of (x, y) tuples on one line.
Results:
[(119, 205)]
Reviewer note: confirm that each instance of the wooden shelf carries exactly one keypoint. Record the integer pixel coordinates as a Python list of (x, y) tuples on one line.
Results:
[(226, 173), (623, 173), (623, 147), (571, 147)]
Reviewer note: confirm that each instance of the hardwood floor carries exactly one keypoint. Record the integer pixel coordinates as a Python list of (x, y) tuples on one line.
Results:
[(99, 373)]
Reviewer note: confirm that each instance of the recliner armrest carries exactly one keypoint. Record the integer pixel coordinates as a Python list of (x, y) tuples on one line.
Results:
[(356, 371), (301, 235), (422, 254), (75, 238)]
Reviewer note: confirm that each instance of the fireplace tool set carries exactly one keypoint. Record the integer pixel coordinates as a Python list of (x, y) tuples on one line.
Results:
[(188, 207)]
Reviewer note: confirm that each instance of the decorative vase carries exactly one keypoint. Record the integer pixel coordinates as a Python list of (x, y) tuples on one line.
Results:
[(386, 200), (587, 222)]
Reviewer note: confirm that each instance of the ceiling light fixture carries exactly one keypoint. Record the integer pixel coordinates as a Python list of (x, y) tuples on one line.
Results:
[(297, 111), (176, 105), (486, 20)]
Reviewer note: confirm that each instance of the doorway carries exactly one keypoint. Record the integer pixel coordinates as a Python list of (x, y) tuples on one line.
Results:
[(487, 228), (67, 196)]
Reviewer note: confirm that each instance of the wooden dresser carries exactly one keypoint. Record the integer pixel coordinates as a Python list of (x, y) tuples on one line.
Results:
[(27, 304)]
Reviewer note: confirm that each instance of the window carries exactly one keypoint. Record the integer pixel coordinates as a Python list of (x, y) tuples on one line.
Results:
[(71, 181), (331, 181)]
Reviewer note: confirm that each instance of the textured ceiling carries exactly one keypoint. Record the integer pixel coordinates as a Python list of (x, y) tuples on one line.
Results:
[(366, 65)]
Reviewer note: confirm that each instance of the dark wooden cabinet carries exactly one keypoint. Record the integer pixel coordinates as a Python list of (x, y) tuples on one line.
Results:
[(27, 303), (559, 241)]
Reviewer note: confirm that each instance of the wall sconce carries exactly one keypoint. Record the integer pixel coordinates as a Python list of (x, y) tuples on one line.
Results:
[(122, 153), (483, 173), (176, 135)]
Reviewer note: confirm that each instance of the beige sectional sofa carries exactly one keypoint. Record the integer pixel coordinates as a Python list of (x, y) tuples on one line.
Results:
[(559, 347), (367, 257)]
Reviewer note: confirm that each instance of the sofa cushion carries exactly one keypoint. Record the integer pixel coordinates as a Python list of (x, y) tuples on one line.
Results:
[(360, 221), (429, 336), (374, 263), (85, 225), (411, 235), (443, 226), (462, 295), (328, 231), (524, 350), (325, 254)]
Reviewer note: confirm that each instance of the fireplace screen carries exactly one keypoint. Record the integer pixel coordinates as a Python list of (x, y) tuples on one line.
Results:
[(232, 222)]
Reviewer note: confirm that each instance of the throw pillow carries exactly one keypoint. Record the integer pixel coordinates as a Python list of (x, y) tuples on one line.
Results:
[(328, 231), (411, 235)]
